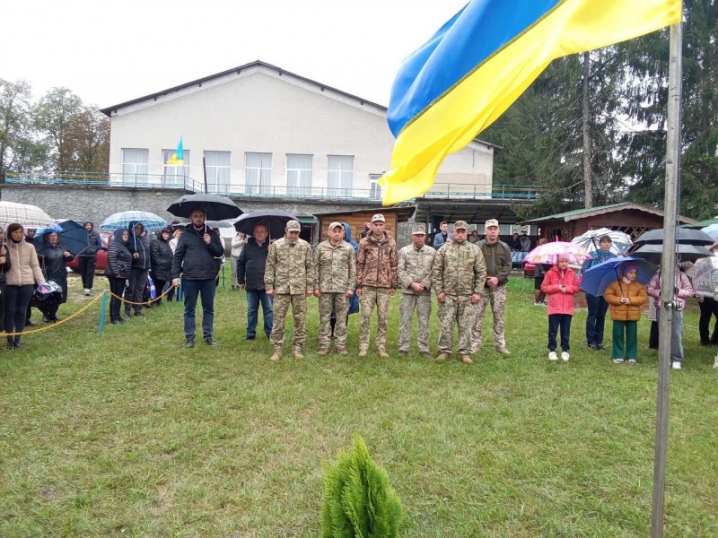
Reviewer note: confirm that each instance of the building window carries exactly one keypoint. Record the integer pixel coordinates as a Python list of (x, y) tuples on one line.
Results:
[(374, 187), (218, 165), (135, 165), (174, 175), (299, 175), (340, 175), (258, 173)]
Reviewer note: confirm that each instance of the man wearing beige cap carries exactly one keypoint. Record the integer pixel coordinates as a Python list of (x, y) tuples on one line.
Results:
[(458, 278), (337, 274), (415, 263), (377, 280), (497, 255), (290, 278)]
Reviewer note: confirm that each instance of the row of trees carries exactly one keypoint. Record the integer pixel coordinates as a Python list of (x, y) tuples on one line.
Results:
[(57, 132), (591, 129)]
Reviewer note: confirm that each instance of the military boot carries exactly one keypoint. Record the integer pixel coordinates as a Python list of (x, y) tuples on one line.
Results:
[(466, 359), (342, 351), (382, 353), (277, 354), (363, 352), (297, 352), (443, 357), (323, 352)]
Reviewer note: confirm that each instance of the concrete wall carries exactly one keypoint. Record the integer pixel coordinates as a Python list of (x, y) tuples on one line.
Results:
[(97, 203)]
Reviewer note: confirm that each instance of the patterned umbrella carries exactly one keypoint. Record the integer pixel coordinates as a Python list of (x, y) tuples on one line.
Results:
[(549, 252), (28, 216), (620, 242), (122, 220)]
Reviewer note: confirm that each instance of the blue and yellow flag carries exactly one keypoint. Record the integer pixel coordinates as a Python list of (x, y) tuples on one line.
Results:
[(178, 156), (462, 79)]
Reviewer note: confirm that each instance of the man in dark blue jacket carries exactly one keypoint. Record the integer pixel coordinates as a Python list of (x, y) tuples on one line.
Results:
[(250, 276), (195, 258), (88, 257), (139, 247)]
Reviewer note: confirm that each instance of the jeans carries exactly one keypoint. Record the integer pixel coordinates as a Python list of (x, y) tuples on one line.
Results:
[(254, 297), (136, 290), (625, 331), (117, 287), (191, 289), (709, 308), (87, 270), (597, 308), (564, 322), (676, 334), (17, 299)]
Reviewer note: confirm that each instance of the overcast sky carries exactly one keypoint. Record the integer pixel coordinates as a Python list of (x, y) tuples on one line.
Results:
[(109, 52)]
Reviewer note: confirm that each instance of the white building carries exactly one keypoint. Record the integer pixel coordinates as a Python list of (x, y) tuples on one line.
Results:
[(262, 131)]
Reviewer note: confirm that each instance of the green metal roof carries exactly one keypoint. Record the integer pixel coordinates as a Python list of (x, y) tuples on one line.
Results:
[(576, 212)]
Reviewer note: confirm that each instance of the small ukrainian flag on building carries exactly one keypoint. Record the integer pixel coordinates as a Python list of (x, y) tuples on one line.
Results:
[(178, 156)]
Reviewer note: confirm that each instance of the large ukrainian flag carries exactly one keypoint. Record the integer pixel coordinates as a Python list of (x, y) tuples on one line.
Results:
[(462, 79)]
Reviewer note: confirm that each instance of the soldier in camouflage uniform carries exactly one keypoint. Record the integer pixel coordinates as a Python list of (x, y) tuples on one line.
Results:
[(337, 274), (497, 256), (415, 266), (458, 278), (290, 278), (377, 280)]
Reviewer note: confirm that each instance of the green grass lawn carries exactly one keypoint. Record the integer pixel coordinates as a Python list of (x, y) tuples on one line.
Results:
[(129, 434)]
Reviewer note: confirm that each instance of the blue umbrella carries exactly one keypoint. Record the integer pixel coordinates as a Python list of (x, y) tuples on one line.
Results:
[(73, 235), (599, 277), (122, 220), (711, 230)]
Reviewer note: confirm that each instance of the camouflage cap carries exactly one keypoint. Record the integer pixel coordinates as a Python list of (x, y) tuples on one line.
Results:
[(336, 224), (378, 217), (418, 229), (490, 223), (461, 225), (294, 226)]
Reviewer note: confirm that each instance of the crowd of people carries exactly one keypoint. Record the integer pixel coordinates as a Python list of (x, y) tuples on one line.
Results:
[(466, 277)]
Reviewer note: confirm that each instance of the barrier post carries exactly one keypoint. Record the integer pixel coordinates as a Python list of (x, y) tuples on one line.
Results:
[(102, 314), (179, 291), (223, 276)]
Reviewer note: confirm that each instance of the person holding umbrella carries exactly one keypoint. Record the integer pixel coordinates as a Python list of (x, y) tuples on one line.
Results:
[(251, 265), (195, 258), (597, 305), (53, 258), (119, 268), (139, 247), (88, 257), (625, 297), (560, 284)]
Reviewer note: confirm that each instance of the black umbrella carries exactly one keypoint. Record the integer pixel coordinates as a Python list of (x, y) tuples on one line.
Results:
[(215, 207), (274, 219), (686, 236), (688, 253)]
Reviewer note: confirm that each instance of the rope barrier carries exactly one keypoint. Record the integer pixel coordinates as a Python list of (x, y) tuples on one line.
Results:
[(56, 324)]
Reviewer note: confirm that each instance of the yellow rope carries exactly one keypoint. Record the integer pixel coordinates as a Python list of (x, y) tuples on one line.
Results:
[(68, 318)]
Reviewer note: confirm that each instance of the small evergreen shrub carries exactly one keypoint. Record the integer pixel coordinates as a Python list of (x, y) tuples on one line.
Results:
[(358, 500)]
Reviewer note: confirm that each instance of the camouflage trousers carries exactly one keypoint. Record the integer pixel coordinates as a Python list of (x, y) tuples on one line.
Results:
[(497, 297), (456, 309), (327, 303), (422, 305), (299, 312), (370, 297)]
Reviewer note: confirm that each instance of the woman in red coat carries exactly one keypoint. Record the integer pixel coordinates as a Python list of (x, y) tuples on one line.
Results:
[(560, 284)]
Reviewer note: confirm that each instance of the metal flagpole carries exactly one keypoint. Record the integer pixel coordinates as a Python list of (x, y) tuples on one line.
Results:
[(668, 274)]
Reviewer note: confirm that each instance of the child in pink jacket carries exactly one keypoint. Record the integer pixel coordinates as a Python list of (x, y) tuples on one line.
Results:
[(560, 284)]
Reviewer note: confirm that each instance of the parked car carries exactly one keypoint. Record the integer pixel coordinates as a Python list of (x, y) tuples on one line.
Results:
[(101, 265)]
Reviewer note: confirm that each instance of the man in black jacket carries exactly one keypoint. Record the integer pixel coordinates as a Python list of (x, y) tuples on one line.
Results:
[(196, 257), (139, 247), (250, 276), (88, 257)]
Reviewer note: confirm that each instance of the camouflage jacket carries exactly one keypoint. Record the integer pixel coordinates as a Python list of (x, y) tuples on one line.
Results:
[(459, 269), (290, 267), (377, 262), (336, 267), (415, 265)]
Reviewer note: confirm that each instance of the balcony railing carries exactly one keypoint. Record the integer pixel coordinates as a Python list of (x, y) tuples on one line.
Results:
[(154, 181)]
